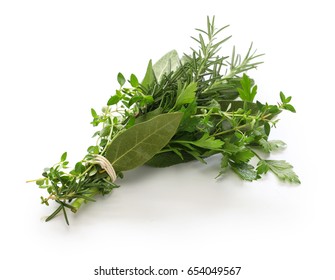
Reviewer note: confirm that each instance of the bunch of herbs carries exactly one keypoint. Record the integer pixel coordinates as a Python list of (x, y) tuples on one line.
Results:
[(185, 108)]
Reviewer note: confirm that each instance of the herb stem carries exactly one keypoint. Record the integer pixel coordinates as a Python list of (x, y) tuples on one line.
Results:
[(256, 154), (230, 130), (79, 201)]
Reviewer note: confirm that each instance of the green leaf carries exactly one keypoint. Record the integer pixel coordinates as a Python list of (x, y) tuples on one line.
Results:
[(214, 105), (196, 154), (234, 105), (208, 142), (149, 77), (282, 169), (131, 122), (135, 99), (79, 168), (40, 182), (245, 171), (121, 80), (253, 93), (103, 142), (94, 113), (273, 109), (189, 122), (288, 99), (149, 115), (63, 157), (262, 167), (133, 80), (223, 165), (247, 92), (168, 159), (289, 107), (105, 131), (243, 155), (113, 100), (282, 97), (93, 172), (167, 63), (224, 161), (187, 94), (267, 128), (272, 145), (231, 148), (139, 143), (93, 150)]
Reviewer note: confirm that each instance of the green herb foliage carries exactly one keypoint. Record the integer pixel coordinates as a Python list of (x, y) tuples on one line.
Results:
[(186, 108)]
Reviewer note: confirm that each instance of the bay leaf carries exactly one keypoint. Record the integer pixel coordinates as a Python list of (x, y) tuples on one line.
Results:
[(149, 115), (136, 145), (168, 159)]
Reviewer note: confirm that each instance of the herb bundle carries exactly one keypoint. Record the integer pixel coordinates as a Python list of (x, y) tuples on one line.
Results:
[(184, 109)]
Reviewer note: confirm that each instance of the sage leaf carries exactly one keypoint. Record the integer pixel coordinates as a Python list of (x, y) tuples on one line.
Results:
[(166, 64), (149, 77), (139, 143)]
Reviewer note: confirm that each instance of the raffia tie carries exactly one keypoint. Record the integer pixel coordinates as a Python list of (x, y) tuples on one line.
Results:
[(106, 165)]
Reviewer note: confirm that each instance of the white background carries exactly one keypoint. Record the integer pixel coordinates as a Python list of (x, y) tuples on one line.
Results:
[(60, 58)]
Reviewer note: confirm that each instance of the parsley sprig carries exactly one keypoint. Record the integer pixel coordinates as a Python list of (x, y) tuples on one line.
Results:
[(185, 108)]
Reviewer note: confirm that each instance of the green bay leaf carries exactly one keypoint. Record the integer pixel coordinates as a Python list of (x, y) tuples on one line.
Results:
[(149, 115), (168, 159), (136, 145)]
